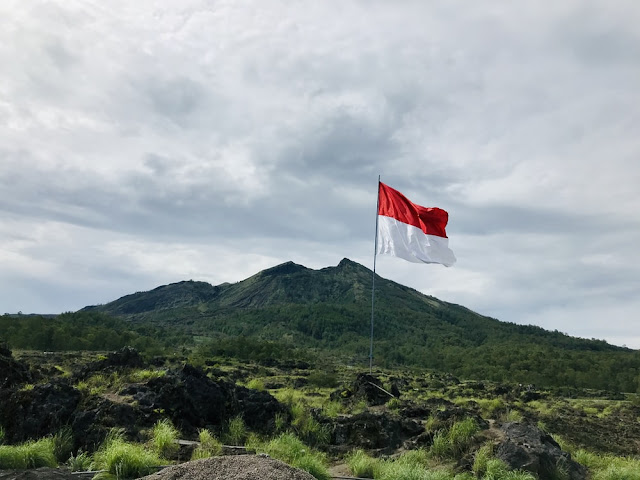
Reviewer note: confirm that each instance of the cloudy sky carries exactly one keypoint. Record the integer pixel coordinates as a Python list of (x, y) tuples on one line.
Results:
[(148, 142)]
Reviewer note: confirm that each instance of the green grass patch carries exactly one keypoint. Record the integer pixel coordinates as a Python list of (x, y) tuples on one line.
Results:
[(164, 439), (32, 454), (361, 464), (290, 449), (236, 433), (481, 459), (124, 459), (209, 446), (256, 384), (144, 375), (608, 467), (80, 462), (63, 444), (455, 440)]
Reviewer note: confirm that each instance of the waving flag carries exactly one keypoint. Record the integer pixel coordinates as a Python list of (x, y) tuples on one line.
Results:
[(410, 231)]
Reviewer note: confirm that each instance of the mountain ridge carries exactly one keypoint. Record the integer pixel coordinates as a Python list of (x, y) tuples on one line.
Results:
[(287, 284)]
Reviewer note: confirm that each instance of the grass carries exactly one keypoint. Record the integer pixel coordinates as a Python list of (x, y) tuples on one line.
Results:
[(144, 375), (256, 384), (124, 459), (31, 454), (209, 446), (290, 449), (453, 442), (164, 438), (236, 431), (361, 464), (63, 444), (608, 467), (481, 459), (81, 462)]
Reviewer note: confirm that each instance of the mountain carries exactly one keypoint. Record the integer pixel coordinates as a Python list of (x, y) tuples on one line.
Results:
[(327, 311)]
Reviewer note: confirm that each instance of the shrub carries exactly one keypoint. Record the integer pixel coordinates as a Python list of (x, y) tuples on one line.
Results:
[(2, 434), (323, 379), (165, 439), (209, 446)]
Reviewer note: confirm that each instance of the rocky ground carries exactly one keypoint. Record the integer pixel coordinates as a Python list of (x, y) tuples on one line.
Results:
[(42, 393)]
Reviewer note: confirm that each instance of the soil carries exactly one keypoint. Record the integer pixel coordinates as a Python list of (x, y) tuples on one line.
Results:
[(235, 467)]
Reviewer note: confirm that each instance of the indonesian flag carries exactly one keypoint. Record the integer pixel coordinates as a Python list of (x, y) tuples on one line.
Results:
[(412, 232)]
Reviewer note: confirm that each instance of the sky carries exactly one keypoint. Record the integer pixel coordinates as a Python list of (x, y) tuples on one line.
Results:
[(148, 142)]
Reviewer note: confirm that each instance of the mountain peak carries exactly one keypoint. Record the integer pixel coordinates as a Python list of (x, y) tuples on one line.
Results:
[(284, 269)]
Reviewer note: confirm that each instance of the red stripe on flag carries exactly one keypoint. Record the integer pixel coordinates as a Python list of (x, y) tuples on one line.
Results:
[(391, 203)]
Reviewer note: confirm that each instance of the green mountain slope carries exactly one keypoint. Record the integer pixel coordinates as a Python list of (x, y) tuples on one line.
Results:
[(328, 311)]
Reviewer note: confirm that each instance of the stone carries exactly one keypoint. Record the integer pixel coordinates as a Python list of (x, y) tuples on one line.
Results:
[(528, 448)]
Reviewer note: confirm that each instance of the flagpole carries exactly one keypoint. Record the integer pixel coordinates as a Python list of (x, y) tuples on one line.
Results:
[(373, 279)]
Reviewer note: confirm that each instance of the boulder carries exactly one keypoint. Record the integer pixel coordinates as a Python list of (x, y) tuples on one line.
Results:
[(12, 372), (528, 448), (126, 357), (37, 412), (374, 430)]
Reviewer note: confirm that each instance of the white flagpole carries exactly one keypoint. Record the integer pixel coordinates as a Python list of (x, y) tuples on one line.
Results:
[(373, 281)]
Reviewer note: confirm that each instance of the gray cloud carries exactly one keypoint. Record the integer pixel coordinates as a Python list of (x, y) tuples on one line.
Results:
[(141, 144)]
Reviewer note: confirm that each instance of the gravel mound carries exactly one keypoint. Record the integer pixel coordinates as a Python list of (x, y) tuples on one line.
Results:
[(232, 467), (37, 474)]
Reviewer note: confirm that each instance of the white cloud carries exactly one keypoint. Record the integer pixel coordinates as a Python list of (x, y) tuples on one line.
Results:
[(144, 141)]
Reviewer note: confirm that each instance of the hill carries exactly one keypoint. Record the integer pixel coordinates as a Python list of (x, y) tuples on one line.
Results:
[(290, 308)]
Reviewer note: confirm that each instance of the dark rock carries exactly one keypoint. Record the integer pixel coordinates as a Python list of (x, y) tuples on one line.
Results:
[(529, 395), (374, 430), (192, 401), (37, 412), (370, 389), (91, 425), (126, 357), (12, 372), (5, 351), (528, 448), (416, 411)]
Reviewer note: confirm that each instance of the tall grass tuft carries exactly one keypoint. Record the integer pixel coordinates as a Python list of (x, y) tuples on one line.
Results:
[(452, 442), (63, 444), (2, 434), (209, 446), (236, 431), (290, 449), (80, 462), (608, 467), (481, 458), (32, 454), (123, 459), (362, 465), (164, 438)]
